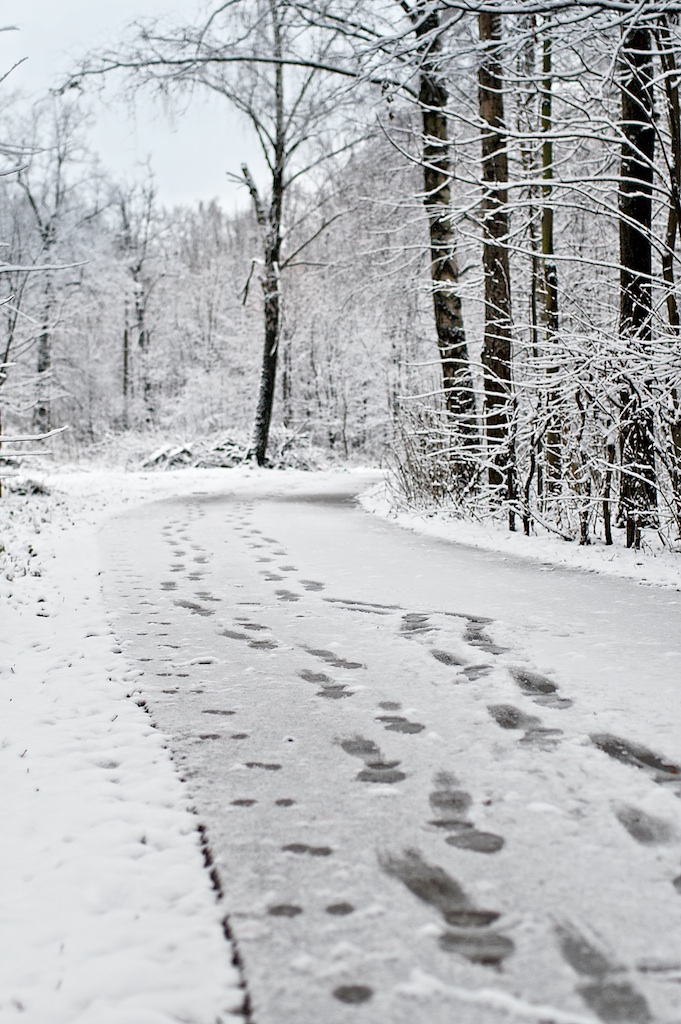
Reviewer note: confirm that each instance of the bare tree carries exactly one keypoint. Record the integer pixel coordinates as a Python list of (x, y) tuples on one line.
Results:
[(284, 78), (136, 212), (50, 187)]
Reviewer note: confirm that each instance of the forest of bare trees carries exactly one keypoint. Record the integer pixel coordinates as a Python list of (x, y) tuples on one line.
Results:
[(464, 237)]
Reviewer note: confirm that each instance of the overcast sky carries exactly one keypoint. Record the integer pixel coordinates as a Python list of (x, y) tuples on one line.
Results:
[(190, 155)]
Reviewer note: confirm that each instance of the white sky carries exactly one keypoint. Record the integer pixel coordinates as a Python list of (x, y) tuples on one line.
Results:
[(189, 155)]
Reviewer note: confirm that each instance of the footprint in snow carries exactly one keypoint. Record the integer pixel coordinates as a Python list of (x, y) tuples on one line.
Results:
[(604, 990), (353, 995), (473, 939), (313, 585), (446, 658), (476, 636), (284, 910), (233, 634), (340, 909), (645, 828), (638, 756), (313, 851), (397, 723), (510, 717), (314, 677), (451, 804), (331, 690), (376, 769), (477, 842), (414, 624), (474, 672), (539, 687), (333, 659)]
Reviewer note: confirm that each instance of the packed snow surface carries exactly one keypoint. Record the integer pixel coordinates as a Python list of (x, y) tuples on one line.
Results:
[(437, 783)]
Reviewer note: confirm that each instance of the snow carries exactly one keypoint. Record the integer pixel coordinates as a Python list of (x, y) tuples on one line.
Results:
[(421, 985), (652, 564), (108, 914)]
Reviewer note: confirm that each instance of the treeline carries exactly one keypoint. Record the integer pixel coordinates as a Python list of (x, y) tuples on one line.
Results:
[(150, 319), (467, 240), (565, 178)]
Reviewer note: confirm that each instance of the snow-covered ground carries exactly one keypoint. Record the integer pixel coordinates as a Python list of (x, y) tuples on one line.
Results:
[(108, 913), (652, 564)]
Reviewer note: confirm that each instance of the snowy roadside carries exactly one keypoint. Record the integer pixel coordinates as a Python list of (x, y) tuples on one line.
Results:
[(108, 914), (652, 565)]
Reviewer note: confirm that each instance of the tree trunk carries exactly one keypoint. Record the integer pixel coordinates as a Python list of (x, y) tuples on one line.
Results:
[(437, 176), (270, 226), (638, 495), (287, 379), (42, 416), (553, 433), (496, 351), (268, 375), (673, 104)]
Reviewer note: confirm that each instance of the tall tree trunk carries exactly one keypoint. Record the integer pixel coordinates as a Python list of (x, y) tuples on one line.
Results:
[(496, 350), (143, 338), (268, 375), (438, 173), (638, 480), (553, 432), (673, 105), (271, 228)]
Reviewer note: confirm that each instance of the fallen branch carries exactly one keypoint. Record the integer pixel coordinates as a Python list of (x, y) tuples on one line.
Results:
[(32, 437)]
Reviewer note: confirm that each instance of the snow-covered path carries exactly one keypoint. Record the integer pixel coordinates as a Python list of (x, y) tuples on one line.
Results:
[(437, 784)]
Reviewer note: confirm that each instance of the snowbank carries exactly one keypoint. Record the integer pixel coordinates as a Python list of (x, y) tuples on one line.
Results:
[(107, 913), (652, 564)]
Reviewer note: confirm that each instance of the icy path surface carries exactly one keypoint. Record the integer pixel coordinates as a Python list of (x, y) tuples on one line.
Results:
[(438, 785)]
